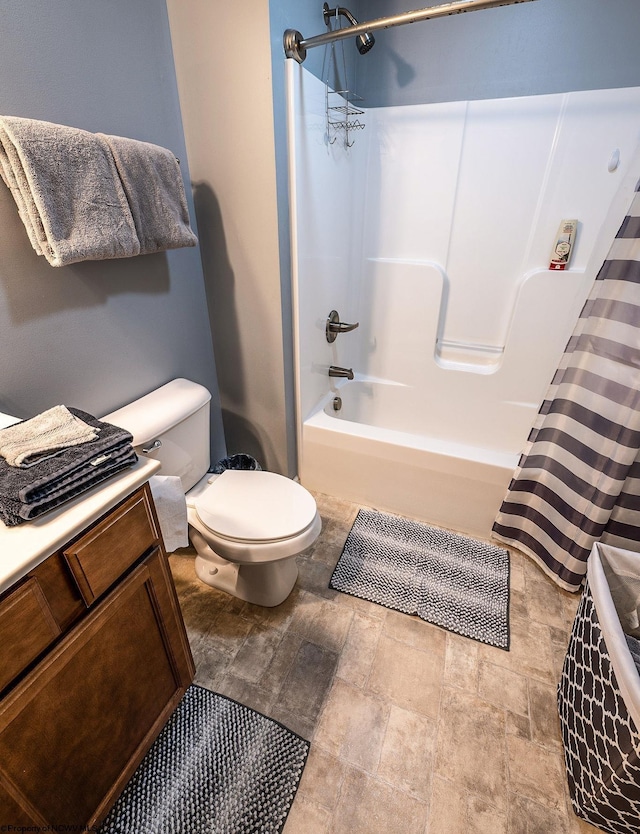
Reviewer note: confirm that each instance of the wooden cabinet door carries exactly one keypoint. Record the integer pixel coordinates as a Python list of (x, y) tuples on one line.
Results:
[(74, 730)]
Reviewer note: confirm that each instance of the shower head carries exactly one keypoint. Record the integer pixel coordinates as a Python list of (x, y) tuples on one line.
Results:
[(364, 42)]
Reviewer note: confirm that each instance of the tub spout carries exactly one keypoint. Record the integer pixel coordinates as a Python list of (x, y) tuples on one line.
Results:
[(334, 370)]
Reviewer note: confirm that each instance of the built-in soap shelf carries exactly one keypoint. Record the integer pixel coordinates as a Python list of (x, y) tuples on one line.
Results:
[(464, 356)]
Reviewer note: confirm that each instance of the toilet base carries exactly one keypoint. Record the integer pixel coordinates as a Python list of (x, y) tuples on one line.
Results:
[(262, 583)]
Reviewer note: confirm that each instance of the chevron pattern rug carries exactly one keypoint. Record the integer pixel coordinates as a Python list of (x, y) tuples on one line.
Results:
[(447, 579)]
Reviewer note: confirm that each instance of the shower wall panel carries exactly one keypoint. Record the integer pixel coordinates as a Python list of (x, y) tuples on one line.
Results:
[(479, 188), (328, 190), (435, 231)]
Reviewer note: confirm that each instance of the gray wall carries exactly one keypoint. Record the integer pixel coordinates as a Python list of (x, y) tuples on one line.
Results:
[(96, 334), (547, 46)]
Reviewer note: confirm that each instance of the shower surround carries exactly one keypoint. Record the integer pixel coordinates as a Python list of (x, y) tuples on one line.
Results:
[(435, 231)]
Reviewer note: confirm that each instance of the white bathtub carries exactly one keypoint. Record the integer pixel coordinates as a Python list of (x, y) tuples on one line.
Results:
[(416, 471)]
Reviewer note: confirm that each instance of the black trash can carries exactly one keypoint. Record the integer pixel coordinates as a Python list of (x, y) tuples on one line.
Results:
[(599, 695), (239, 461)]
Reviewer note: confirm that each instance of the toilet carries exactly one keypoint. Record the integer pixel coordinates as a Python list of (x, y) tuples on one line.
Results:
[(246, 526)]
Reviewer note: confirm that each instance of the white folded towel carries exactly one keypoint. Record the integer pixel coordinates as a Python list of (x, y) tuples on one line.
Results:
[(171, 506), (153, 184), (68, 191), (46, 433)]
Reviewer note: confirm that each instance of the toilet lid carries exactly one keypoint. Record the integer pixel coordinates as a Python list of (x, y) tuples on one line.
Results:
[(255, 506)]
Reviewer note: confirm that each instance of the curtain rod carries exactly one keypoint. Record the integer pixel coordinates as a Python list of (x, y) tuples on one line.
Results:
[(295, 46)]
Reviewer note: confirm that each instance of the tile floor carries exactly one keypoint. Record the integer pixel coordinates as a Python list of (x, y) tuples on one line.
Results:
[(413, 729)]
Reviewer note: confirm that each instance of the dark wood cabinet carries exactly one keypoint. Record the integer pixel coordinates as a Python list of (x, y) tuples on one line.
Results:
[(76, 725)]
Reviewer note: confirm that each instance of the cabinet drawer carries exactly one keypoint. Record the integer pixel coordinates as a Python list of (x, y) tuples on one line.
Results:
[(104, 553), (27, 627)]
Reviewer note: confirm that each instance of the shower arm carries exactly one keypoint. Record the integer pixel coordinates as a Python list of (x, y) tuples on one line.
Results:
[(295, 46)]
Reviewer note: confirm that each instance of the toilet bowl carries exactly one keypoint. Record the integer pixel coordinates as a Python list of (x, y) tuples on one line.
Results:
[(247, 526)]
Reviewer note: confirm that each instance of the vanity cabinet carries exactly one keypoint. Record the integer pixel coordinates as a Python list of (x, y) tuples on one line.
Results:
[(99, 661)]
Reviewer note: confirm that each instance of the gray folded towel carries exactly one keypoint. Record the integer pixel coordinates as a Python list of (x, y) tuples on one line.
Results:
[(153, 184), (28, 493), (23, 444), (68, 191)]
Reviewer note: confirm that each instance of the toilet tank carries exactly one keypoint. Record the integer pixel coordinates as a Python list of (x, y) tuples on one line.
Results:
[(171, 424)]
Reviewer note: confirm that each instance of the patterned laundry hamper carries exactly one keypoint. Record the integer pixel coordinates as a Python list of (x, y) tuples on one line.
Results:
[(599, 695)]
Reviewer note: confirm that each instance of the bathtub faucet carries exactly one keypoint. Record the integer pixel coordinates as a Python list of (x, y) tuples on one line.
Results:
[(334, 370)]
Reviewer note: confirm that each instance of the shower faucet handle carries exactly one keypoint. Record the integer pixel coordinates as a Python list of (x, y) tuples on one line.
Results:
[(335, 326)]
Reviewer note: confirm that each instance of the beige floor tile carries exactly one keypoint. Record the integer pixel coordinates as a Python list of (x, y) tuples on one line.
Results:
[(307, 817), (315, 575), (570, 602), (322, 777), (328, 625), (415, 632), (518, 604), (277, 617), (529, 652), (336, 509), (448, 808), (407, 752), (306, 607), (484, 818), (518, 725), (275, 674), (536, 772), (246, 693), (369, 806), (545, 724), (256, 653), (529, 817), (470, 748), (201, 609), (516, 575), (544, 602), (359, 649), (461, 666), (308, 681), (228, 632), (361, 606), (352, 726), (211, 666), (406, 676), (503, 688)]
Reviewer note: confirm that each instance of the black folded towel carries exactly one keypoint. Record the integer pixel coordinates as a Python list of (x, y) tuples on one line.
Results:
[(28, 493)]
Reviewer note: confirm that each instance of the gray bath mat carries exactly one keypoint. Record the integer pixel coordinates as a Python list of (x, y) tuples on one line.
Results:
[(217, 768), (450, 580)]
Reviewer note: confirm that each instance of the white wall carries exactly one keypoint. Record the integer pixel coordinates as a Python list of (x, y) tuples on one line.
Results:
[(223, 64)]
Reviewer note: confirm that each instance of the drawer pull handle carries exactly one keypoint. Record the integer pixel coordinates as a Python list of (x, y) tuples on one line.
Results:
[(155, 445)]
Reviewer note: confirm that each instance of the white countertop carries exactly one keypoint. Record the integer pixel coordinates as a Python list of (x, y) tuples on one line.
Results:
[(25, 546)]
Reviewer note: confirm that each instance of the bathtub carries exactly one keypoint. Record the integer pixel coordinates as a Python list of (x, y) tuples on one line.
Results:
[(417, 469)]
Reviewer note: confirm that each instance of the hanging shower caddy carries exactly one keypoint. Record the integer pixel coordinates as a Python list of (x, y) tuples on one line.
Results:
[(342, 115), (341, 107)]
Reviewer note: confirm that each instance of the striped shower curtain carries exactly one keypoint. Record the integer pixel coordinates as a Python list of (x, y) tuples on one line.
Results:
[(578, 479)]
